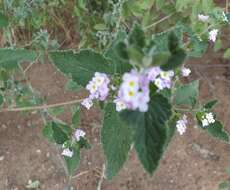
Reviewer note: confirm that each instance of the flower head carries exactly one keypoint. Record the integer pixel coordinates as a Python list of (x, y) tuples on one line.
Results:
[(181, 125), (78, 134), (67, 152), (203, 18), (213, 35), (87, 102), (207, 119), (185, 72)]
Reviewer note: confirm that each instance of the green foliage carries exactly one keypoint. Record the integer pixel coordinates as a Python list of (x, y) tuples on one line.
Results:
[(216, 130), (1, 99), (151, 132), (224, 185), (227, 54), (76, 117), (11, 57), (73, 162), (187, 94), (80, 66), (116, 137), (209, 105), (3, 21)]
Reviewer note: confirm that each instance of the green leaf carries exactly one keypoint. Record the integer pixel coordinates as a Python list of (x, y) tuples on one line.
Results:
[(209, 105), (47, 132), (151, 133), (118, 56), (227, 170), (76, 118), (3, 21), (72, 86), (1, 100), (116, 140), (187, 94), (216, 130), (137, 37), (176, 60), (11, 57), (80, 66), (73, 162), (227, 54), (224, 185), (61, 132), (56, 111)]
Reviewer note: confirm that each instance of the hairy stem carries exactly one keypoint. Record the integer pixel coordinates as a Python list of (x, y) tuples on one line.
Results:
[(41, 107)]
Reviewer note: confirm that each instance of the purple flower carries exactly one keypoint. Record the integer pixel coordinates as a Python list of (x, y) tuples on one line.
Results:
[(67, 152), (78, 134), (181, 125)]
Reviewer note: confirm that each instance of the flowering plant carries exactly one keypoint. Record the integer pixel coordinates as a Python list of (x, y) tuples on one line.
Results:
[(134, 78)]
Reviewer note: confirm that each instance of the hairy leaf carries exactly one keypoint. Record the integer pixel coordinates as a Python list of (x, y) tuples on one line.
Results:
[(11, 57), (73, 162), (151, 132), (80, 66), (187, 94), (116, 140)]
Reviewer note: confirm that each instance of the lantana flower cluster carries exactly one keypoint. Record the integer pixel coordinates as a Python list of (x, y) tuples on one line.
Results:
[(207, 119), (181, 125), (133, 93), (77, 137)]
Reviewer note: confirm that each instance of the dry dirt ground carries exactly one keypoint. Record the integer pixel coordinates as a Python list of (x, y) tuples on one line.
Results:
[(193, 161)]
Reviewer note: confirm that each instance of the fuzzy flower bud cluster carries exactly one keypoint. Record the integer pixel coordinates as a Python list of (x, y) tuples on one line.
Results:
[(213, 35), (98, 88), (77, 136), (207, 119), (181, 125)]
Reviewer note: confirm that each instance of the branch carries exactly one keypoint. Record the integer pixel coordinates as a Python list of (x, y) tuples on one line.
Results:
[(41, 107)]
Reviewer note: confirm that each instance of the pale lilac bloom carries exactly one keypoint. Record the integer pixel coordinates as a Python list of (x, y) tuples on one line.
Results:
[(153, 73), (185, 72), (213, 35), (120, 105), (87, 103), (78, 134), (164, 80), (98, 88), (181, 125), (203, 18), (67, 152)]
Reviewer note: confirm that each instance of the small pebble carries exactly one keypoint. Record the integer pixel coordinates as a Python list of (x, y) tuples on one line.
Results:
[(2, 158), (38, 151)]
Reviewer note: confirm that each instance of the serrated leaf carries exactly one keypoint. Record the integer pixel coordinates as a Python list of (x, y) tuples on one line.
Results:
[(118, 55), (47, 132), (76, 117), (73, 162), (11, 57), (116, 140), (176, 60), (137, 37), (81, 65), (151, 133), (61, 132), (216, 130), (187, 94), (209, 105)]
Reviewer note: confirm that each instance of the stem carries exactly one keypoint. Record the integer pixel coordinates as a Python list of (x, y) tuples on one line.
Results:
[(159, 21), (102, 178), (186, 110), (41, 107)]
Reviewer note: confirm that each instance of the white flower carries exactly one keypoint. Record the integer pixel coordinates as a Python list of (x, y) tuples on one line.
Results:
[(78, 134), (210, 117), (181, 125), (203, 18), (213, 35), (87, 102), (120, 105), (185, 72), (207, 119), (205, 123), (225, 19), (67, 152), (167, 75)]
